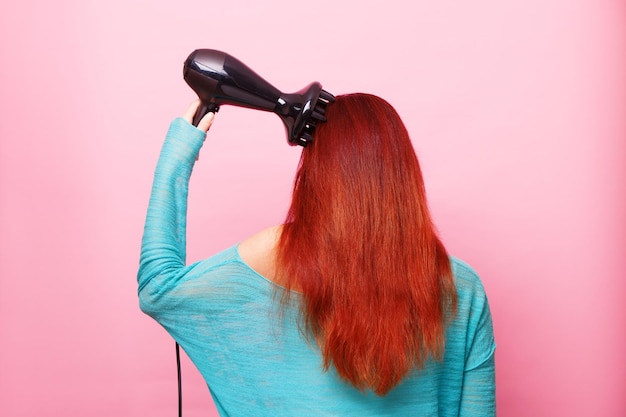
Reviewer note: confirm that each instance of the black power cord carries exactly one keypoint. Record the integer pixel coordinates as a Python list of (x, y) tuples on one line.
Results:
[(180, 385)]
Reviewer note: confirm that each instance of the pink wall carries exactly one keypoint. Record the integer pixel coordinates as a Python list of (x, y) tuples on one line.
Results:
[(517, 109)]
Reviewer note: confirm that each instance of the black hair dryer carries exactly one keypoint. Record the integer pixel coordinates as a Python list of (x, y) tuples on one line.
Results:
[(219, 78)]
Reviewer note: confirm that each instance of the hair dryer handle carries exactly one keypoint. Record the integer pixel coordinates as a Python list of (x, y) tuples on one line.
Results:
[(203, 109)]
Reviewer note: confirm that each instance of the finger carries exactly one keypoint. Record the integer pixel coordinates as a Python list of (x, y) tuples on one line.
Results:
[(206, 122), (191, 111)]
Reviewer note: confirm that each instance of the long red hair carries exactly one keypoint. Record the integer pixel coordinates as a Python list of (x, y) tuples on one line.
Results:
[(360, 246)]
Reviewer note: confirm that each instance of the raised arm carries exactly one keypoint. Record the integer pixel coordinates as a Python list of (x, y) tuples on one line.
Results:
[(163, 248)]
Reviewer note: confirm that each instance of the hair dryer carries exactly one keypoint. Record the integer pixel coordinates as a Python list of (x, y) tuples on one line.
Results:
[(219, 78)]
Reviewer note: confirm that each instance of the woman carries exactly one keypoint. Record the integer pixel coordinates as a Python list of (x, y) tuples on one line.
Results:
[(352, 307)]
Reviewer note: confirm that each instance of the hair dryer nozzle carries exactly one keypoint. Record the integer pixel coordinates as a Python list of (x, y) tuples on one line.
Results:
[(302, 110), (219, 78)]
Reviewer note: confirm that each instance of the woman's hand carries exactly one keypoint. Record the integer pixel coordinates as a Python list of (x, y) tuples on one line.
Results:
[(205, 123)]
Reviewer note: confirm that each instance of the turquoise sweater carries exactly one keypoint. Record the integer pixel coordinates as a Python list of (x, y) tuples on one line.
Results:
[(251, 352)]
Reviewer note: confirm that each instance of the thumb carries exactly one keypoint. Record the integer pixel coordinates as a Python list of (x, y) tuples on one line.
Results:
[(206, 122)]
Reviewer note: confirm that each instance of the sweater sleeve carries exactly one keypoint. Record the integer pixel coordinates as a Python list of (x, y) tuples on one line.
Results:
[(163, 247), (478, 396)]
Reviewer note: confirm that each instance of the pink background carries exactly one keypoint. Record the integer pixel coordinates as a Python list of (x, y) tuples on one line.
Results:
[(517, 109)]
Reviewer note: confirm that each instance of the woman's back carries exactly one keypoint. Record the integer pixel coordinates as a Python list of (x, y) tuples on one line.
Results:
[(255, 361)]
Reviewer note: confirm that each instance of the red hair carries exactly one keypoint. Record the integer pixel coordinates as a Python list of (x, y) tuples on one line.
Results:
[(360, 245)]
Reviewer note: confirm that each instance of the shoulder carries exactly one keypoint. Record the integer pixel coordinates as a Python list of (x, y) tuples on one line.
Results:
[(472, 297), (465, 276), (473, 316), (258, 251)]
